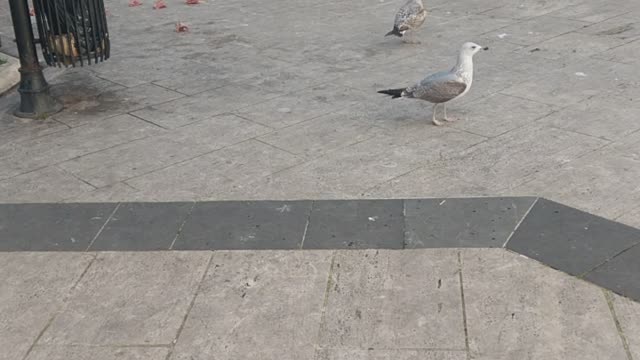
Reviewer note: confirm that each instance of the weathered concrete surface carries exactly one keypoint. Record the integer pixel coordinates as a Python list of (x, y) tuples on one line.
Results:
[(276, 100), (518, 308), (321, 305), (33, 288), (129, 299)]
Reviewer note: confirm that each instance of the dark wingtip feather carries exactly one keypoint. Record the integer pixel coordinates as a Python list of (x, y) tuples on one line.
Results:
[(394, 93), (395, 32)]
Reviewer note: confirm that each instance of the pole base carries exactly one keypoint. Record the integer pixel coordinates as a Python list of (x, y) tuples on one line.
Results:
[(38, 106)]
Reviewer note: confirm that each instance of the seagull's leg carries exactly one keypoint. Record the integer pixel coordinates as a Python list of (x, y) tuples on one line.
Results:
[(433, 116), (445, 118)]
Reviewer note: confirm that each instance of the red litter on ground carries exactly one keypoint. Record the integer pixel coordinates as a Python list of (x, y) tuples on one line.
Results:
[(193, 2), (180, 27), (134, 3), (159, 4), (32, 12)]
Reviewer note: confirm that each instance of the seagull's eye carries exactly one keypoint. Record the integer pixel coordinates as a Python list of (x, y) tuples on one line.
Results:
[(473, 47)]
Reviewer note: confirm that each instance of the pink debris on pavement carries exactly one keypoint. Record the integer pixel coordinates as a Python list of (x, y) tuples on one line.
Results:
[(133, 3), (180, 27), (159, 4)]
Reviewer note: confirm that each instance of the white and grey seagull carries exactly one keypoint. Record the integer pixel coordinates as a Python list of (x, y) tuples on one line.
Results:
[(409, 18), (444, 86)]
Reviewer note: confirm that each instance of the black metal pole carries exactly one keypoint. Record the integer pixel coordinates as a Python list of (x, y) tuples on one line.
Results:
[(35, 100)]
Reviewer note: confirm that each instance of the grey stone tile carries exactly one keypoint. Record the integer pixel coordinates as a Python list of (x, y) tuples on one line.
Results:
[(531, 31), (507, 161), (206, 177), (203, 106), (355, 224), (194, 78), (573, 44), (22, 157), (97, 353), (129, 299), (400, 354), (302, 105), (518, 308), (257, 305), (530, 9), (426, 183), (627, 53), (628, 314), (601, 182), (591, 11), (624, 28), (386, 299), (16, 130), (32, 290), (620, 273), (46, 185), (496, 114), (598, 117), (136, 158), (244, 225), (118, 192), (114, 102), (630, 217), (51, 227), (142, 226), (570, 240), (479, 222), (321, 135)]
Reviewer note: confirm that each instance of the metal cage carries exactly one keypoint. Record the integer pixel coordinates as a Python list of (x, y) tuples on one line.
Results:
[(72, 31)]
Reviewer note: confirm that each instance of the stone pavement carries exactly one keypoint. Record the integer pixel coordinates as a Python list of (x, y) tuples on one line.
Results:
[(277, 99), (427, 304)]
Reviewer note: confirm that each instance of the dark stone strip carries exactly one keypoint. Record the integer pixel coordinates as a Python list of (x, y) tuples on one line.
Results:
[(568, 239)]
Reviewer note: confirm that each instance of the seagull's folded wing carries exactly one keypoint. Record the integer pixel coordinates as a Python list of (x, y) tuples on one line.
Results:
[(439, 88)]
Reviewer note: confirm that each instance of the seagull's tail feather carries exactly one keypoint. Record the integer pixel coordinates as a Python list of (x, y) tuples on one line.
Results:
[(395, 32), (394, 93)]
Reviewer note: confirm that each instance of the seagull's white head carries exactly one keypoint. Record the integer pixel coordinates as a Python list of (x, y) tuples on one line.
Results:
[(470, 49)]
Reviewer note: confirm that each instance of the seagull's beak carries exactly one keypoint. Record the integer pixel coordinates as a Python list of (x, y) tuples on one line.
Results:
[(485, 48)]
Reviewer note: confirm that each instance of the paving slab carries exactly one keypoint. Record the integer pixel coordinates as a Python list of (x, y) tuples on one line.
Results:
[(355, 224), (265, 305), (452, 223), (97, 353), (142, 226), (619, 274), (58, 147), (137, 158), (394, 300), (129, 299), (237, 225), (33, 288), (628, 315), (333, 354), (568, 239), (50, 184), (600, 182), (51, 227), (206, 177), (517, 308)]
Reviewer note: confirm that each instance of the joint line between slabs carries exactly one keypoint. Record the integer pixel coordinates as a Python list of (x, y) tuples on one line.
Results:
[(464, 307), (60, 308), (193, 301), (623, 338), (103, 226), (520, 222), (186, 218), (306, 226)]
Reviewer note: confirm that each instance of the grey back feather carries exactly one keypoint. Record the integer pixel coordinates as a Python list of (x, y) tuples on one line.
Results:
[(437, 88)]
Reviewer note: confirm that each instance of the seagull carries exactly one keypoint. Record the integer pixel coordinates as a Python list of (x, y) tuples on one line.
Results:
[(443, 86), (410, 17)]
